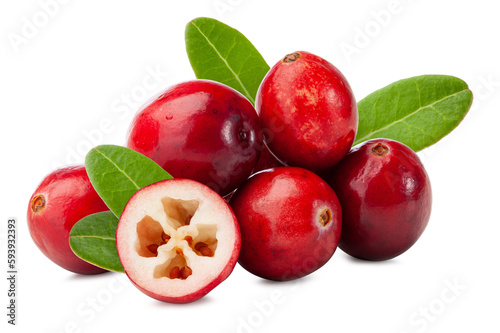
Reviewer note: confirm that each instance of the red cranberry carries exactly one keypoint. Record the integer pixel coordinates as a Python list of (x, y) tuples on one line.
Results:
[(290, 222), (308, 111), (201, 130), (385, 194), (63, 198)]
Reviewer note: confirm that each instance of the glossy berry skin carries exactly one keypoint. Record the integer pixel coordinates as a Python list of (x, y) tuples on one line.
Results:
[(308, 111), (201, 130), (386, 199), (266, 161), (63, 198), (290, 222)]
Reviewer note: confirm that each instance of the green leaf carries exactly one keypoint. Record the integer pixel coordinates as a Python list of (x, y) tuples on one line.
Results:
[(220, 53), (93, 240), (117, 173), (418, 111)]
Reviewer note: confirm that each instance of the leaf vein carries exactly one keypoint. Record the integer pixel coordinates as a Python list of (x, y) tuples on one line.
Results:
[(94, 236), (226, 63), (116, 166), (408, 116)]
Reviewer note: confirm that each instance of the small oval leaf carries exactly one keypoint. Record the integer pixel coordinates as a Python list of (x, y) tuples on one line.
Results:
[(93, 240), (220, 53), (417, 111), (118, 172)]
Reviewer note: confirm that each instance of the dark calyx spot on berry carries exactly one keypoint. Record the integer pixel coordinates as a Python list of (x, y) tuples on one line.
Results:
[(242, 135), (291, 57), (38, 204), (325, 217), (380, 149)]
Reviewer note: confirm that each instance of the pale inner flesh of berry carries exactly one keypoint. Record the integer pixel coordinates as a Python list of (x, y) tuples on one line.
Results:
[(174, 238)]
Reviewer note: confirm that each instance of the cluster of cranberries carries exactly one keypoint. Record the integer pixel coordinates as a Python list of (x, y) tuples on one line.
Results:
[(276, 187)]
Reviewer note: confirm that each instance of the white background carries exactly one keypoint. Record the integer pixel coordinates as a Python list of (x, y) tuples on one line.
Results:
[(74, 72)]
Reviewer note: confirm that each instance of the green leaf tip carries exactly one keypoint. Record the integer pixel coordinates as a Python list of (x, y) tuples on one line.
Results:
[(417, 111), (93, 239), (118, 172), (221, 53)]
